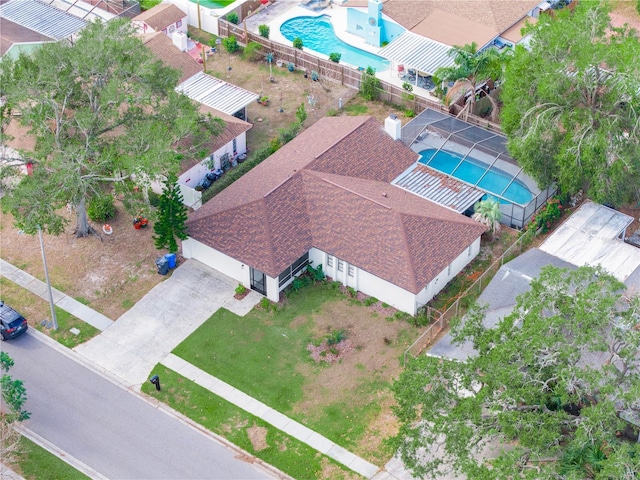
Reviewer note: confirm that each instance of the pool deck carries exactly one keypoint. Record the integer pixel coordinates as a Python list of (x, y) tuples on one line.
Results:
[(280, 11)]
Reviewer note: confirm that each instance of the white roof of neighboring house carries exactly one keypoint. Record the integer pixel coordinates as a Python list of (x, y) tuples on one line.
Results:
[(42, 18), (421, 53), (590, 237), (216, 93)]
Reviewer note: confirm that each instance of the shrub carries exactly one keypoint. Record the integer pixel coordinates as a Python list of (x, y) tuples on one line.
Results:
[(297, 43), (335, 57), (101, 208), (232, 17), (409, 113), (351, 292), (317, 274), (638, 6), (384, 44), (336, 336), (252, 52), (264, 30), (370, 301), (406, 86), (148, 4), (369, 85), (241, 289), (230, 44), (547, 216), (301, 114), (154, 198)]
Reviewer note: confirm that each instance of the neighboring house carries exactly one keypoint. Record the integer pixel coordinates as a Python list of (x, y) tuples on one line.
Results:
[(217, 98), (170, 55), (165, 18), (224, 151), (16, 39), (326, 198), (592, 235), (48, 21)]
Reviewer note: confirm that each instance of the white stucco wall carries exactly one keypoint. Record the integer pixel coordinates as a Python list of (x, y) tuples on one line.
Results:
[(208, 20), (223, 263), (195, 174)]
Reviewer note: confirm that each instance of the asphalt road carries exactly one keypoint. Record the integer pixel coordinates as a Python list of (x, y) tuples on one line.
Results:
[(110, 429)]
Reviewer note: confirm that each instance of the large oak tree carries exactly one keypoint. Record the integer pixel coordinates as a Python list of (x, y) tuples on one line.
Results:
[(542, 396), (572, 104), (104, 112)]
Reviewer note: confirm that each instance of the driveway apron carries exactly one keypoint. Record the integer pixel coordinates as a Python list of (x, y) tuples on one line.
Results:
[(163, 318)]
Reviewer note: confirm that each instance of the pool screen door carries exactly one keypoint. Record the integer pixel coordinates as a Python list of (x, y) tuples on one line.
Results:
[(258, 281)]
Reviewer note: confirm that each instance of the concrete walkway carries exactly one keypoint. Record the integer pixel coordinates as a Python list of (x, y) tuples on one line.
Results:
[(144, 331), (271, 416), (60, 299)]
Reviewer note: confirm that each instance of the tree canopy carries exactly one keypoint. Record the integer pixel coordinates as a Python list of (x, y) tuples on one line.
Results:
[(470, 70), (572, 104), (172, 216), (103, 112), (542, 393)]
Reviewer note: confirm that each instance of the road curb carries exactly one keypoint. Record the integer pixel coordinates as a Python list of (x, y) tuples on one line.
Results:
[(61, 454), (268, 469)]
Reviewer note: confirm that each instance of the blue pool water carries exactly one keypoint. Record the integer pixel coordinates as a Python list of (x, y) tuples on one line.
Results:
[(317, 34), (470, 171)]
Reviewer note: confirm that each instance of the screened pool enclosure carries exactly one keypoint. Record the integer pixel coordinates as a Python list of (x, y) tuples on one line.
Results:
[(476, 157)]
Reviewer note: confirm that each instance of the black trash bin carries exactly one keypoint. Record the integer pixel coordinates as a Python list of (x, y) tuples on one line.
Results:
[(163, 265)]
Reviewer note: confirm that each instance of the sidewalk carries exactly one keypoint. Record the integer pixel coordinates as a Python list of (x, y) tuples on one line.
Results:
[(216, 386), (60, 299)]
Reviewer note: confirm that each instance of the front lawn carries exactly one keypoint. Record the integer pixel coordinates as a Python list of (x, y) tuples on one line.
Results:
[(264, 354), (243, 429), (34, 462)]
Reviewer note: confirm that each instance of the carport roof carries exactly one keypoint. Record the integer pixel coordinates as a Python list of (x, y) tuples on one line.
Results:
[(420, 53), (216, 93), (42, 18)]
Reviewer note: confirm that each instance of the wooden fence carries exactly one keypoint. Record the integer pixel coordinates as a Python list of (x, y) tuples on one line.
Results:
[(343, 74)]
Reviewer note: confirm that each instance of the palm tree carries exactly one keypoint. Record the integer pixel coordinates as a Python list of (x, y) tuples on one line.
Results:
[(470, 70), (488, 212)]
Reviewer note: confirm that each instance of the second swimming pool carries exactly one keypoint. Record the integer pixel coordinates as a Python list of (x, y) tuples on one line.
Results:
[(471, 171), (317, 34)]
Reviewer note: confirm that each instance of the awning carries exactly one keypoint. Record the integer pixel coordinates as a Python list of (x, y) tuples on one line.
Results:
[(216, 93), (420, 53)]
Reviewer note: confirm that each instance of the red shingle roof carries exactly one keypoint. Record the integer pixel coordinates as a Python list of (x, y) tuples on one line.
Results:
[(164, 50), (160, 16), (336, 198), (497, 15)]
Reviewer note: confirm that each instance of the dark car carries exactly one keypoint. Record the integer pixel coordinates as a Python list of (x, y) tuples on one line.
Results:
[(12, 323)]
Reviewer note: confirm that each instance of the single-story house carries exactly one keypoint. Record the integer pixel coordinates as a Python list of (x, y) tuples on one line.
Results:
[(326, 198), (224, 151), (164, 17)]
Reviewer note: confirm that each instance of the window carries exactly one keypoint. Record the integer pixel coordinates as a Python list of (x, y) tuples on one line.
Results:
[(469, 251), (329, 261), (351, 271), (235, 147), (172, 29), (449, 270), (340, 265), (179, 23), (291, 271)]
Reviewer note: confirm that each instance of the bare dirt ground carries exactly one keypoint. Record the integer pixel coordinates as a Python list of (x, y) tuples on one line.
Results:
[(110, 275)]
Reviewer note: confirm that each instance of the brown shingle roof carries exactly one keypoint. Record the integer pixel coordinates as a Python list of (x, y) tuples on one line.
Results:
[(160, 16), (496, 15), (164, 50), (306, 195), (233, 127)]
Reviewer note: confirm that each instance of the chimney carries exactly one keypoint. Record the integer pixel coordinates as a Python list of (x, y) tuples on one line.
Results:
[(393, 126), (180, 40)]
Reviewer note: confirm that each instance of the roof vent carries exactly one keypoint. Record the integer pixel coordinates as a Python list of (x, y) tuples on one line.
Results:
[(384, 194)]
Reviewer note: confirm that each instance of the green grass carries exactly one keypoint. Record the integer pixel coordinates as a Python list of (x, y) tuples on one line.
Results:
[(36, 463), (219, 416), (35, 309), (264, 355)]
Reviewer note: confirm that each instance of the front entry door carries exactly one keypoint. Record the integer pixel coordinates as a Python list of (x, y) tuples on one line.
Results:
[(258, 281)]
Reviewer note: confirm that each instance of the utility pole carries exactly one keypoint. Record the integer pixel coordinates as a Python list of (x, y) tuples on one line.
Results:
[(54, 319)]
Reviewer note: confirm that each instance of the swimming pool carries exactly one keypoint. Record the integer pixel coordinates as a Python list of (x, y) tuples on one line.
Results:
[(471, 170), (317, 34)]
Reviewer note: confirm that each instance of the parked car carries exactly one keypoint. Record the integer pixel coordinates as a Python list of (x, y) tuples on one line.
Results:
[(12, 323)]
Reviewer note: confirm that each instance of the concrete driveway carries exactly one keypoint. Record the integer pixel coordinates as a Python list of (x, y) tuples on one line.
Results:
[(162, 319)]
